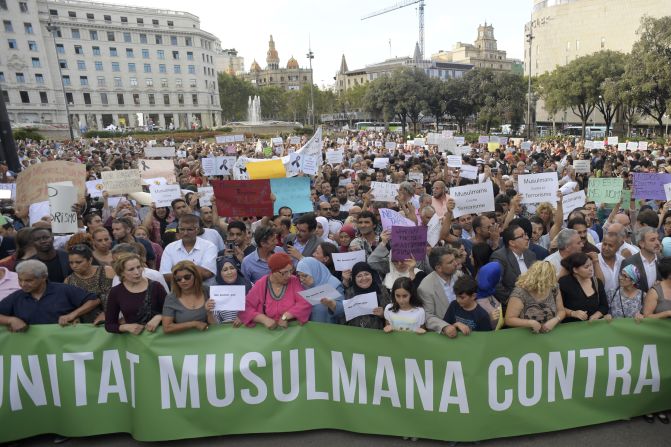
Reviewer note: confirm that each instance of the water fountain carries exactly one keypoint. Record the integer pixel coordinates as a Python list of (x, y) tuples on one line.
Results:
[(254, 110), (256, 125)]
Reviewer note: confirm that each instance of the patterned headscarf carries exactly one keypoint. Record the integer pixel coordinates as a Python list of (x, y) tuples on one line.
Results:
[(632, 272)]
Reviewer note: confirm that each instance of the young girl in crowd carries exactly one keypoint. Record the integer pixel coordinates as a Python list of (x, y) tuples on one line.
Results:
[(405, 312)]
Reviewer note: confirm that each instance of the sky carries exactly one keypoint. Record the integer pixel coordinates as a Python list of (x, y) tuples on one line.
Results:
[(334, 28)]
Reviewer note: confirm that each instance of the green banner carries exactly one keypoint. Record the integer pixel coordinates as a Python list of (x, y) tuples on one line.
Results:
[(79, 381)]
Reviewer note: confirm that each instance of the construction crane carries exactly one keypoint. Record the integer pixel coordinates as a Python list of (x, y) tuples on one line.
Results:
[(400, 5)]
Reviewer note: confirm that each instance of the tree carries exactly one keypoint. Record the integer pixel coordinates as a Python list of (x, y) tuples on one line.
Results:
[(381, 100), (352, 98), (458, 101), (234, 93), (435, 102), (411, 86), (608, 67), (273, 102)]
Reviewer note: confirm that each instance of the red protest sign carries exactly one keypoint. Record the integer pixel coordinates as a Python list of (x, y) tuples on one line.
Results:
[(242, 197)]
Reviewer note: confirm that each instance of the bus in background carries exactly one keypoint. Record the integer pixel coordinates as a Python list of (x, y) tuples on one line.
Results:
[(394, 126), (591, 132)]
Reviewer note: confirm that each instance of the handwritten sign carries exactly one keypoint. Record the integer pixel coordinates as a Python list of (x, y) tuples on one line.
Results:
[(122, 182), (208, 164), (469, 172), (613, 141), (621, 147), (408, 242), (454, 161), (157, 168), (163, 195), (62, 196), (335, 157), (277, 141), (433, 230), (473, 199), (416, 176), (667, 191), (151, 151), (310, 164), (206, 194), (242, 198), (483, 139), (389, 218), (581, 166), (228, 298), (11, 187), (525, 146), (632, 145), (537, 188), (650, 186), (293, 192), (384, 192), (31, 184), (294, 140), (642, 145), (360, 305), (315, 294), (605, 190), (390, 145), (345, 261), (572, 201)]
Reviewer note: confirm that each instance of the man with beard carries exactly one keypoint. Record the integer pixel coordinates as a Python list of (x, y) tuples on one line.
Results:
[(55, 260)]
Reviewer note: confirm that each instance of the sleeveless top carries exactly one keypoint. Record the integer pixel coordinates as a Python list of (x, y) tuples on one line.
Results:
[(533, 309), (98, 284), (663, 304)]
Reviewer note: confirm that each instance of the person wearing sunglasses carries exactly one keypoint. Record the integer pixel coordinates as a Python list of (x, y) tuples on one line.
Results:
[(184, 307)]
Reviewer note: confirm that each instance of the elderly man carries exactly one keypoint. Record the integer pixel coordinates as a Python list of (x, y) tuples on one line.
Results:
[(439, 200), (41, 301), (625, 249), (568, 242), (515, 258), (610, 262)]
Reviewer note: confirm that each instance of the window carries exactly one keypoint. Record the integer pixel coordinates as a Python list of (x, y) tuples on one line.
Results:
[(161, 68), (119, 99), (20, 78), (93, 34), (63, 64), (113, 52), (152, 99), (188, 41), (43, 98), (175, 55), (84, 81), (145, 53), (107, 18), (72, 14), (98, 65), (131, 67), (140, 21), (96, 51), (103, 99), (69, 98), (87, 98), (32, 45), (28, 28), (117, 82), (129, 53), (53, 12), (124, 19), (23, 6), (110, 36), (39, 78), (115, 66), (147, 68), (173, 40), (136, 99), (36, 62), (180, 99), (60, 49), (143, 38), (133, 82), (101, 81), (164, 83), (127, 37), (189, 55), (5, 93), (192, 83), (166, 99), (79, 49), (159, 39), (12, 44), (149, 82), (66, 79), (81, 65), (177, 68), (194, 99), (8, 26), (25, 98), (178, 83), (192, 69), (171, 23), (90, 16), (2, 76), (75, 33), (160, 54)]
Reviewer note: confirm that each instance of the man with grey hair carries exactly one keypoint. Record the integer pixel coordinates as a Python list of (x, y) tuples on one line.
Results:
[(568, 242), (41, 301), (439, 200), (646, 260), (625, 249)]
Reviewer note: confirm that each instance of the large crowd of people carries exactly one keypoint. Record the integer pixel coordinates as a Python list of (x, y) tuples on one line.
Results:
[(132, 268)]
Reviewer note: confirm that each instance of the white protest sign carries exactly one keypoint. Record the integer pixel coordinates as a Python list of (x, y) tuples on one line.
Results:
[(537, 188), (469, 172), (632, 145), (155, 181), (222, 139), (335, 157), (163, 195), (94, 188), (62, 196), (5, 194), (390, 145), (340, 141), (454, 161), (380, 163), (181, 154), (472, 199), (420, 142), (572, 201), (38, 210), (621, 147), (384, 192), (209, 166), (277, 141), (525, 146), (206, 193), (223, 165), (598, 145), (459, 140), (228, 298), (360, 305), (345, 261), (433, 230), (581, 166), (433, 138), (613, 141), (122, 182), (568, 187), (315, 294), (448, 133), (240, 169), (389, 218), (344, 181), (589, 144), (151, 151), (293, 165), (667, 191), (294, 140), (310, 165), (642, 145), (11, 187), (416, 176)]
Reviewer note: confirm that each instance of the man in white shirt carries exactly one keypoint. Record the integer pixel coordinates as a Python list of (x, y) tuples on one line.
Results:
[(190, 248), (610, 261), (625, 249), (568, 242)]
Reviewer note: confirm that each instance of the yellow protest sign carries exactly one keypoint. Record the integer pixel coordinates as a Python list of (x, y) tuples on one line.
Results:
[(266, 169), (492, 147)]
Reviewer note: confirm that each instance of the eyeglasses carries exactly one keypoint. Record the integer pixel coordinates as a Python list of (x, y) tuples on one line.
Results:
[(521, 236), (186, 277)]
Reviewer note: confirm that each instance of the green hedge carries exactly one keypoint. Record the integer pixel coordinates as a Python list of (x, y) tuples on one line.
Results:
[(27, 134)]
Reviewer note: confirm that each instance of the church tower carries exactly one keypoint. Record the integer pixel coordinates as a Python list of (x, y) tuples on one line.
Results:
[(272, 58), (486, 40)]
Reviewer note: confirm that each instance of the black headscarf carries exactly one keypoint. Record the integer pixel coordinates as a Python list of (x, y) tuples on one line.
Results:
[(239, 281), (364, 267)]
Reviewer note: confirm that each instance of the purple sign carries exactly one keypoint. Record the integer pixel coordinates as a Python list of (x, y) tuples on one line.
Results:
[(408, 242), (650, 185)]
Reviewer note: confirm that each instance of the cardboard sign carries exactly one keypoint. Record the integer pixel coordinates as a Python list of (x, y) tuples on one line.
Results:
[(581, 166), (473, 199), (650, 185), (293, 192), (163, 195), (605, 190), (243, 198), (389, 218), (407, 243), (228, 298), (360, 305), (157, 168), (266, 169), (151, 151), (384, 192), (121, 182), (537, 188), (315, 294), (31, 184), (345, 261)]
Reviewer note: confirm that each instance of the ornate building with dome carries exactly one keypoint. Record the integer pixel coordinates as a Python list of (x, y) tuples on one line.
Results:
[(290, 77)]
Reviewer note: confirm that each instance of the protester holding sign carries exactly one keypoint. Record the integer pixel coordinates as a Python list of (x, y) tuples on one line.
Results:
[(184, 306), (365, 280), (228, 275), (313, 274)]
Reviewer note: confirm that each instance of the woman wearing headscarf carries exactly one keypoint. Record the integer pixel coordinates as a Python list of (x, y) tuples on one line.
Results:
[(390, 271), (274, 300), (366, 280), (228, 275), (626, 301), (322, 230), (488, 277), (313, 273), (346, 234)]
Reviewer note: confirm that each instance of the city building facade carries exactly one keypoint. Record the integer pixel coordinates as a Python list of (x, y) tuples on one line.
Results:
[(291, 77), (228, 61), (106, 65)]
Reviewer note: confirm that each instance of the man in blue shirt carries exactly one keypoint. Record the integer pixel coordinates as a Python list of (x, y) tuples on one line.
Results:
[(255, 264), (43, 302)]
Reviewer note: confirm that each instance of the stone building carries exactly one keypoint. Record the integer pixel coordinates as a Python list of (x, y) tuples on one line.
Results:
[(291, 77)]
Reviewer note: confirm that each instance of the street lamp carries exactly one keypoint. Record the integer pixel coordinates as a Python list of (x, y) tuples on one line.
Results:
[(52, 29), (311, 56), (530, 38)]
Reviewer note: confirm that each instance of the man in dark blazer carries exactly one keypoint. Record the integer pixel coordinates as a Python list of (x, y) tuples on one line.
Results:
[(305, 241), (646, 259), (514, 257)]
